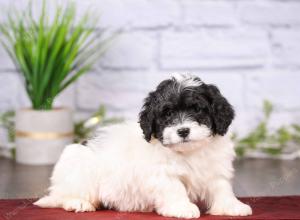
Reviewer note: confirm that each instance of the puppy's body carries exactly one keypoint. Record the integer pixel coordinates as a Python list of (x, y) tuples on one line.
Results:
[(119, 169)]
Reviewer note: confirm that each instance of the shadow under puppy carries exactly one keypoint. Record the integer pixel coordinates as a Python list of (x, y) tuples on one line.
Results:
[(177, 155)]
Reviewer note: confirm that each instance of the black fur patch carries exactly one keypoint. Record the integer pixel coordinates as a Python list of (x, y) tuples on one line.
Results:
[(84, 143), (165, 106)]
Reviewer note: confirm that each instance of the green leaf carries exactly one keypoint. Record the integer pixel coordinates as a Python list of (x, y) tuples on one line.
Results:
[(240, 151), (50, 55), (267, 108), (272, 151), (283, 135)]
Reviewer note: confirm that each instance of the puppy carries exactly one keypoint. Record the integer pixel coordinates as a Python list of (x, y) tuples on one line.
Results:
[(177, 155)]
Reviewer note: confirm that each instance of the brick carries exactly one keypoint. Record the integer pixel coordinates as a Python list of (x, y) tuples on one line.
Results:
[(116, 14), (119, 91), (280, 88), (245, 121), (131, 13), (3, 137), (130, 51), (66, 98), (8, 91), (139, 13), (209, 13), (23, 100), (279, 119), (270, 13), (286, 47), (213, 49), (252, 118), (5, 61), (8, 7)]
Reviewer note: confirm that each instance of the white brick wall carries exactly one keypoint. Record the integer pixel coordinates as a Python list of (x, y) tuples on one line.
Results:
[(210, 13), (140, 55), (137, 13), (286, 47), (275, 13), (5, 61), (283, 92), (250, 49), (213, 49), (9, 96)]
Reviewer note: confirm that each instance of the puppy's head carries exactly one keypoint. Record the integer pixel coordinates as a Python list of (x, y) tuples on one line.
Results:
[(183, 111)]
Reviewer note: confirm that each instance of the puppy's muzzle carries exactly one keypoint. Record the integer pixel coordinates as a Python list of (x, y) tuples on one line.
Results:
[(183, 132)]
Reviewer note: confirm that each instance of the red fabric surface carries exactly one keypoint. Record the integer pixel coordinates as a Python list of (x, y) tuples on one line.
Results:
[(287, 207)]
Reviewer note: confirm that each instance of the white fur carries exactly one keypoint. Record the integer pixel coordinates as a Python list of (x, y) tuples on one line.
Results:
[(197, 132), (119, 169), (187, 80)]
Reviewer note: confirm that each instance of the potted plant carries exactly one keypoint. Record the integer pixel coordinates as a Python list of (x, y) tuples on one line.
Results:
[(50, 54), (281, 143)]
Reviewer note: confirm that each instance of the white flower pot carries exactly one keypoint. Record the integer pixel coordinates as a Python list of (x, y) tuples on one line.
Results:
[(42, 135)]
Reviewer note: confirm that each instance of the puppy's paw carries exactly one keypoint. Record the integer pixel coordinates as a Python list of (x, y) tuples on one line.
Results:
[(47, 202), (232, 208), (78, 205), (180, 210)]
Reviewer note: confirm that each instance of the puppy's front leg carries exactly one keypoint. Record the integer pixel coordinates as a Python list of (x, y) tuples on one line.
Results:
[(171, 200), (223, 200)]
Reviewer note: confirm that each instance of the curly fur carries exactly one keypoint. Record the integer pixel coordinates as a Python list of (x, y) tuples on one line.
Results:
[(200, 102)]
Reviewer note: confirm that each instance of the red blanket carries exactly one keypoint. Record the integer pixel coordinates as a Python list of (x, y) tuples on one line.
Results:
[(287, 207)]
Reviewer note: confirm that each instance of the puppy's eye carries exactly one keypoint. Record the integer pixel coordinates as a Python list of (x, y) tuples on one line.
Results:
[(197, 108), (167, 112)]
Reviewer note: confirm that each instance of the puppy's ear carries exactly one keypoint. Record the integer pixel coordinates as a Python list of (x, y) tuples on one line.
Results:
[(147, 117), (222, 111)]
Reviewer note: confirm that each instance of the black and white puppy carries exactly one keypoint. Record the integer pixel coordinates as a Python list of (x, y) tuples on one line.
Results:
[(178, 154)]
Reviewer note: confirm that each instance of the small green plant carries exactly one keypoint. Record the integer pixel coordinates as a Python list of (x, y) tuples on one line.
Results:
[(261, 139), (51, 55), (7, 121), (85, 128), (258, 139)]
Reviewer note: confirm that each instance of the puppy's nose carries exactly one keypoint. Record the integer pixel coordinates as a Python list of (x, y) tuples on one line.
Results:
[(183, 132)]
